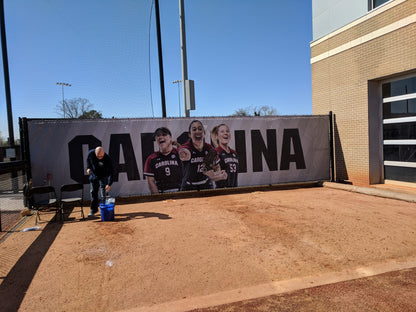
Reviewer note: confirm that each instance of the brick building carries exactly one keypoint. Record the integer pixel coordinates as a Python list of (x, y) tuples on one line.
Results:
[(363, 62)]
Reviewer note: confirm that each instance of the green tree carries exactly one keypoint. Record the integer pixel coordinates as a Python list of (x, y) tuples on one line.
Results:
[(92, 114), (75, 108)]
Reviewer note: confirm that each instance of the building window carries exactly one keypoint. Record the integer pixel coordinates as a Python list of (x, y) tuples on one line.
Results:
[(399, 129), (372, 4)]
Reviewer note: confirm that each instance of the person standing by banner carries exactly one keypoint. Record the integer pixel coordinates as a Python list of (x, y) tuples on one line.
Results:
[(163, 169), (196, 174), (221, 137), (100, 171)]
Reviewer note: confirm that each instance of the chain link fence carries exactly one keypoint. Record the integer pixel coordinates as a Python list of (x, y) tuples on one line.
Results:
[(12, 178)]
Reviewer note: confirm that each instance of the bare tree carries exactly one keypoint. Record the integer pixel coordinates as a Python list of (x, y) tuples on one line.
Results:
[(264, 110), (242, 112), (75, 108)]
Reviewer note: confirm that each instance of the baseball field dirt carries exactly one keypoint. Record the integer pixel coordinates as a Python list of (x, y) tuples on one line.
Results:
[(309, 249)]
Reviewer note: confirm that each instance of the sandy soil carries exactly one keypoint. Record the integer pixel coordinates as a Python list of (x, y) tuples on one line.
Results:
[(160, 252)]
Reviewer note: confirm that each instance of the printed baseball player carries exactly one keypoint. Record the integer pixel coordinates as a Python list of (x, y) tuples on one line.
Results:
[(221, 137), (163, 169), (198, 175)]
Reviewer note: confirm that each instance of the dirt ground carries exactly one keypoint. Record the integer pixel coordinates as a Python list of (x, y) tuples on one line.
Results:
[(257, 251)]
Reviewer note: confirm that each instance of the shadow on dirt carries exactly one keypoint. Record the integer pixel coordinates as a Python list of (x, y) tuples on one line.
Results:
[(122, 217), (16, 283)]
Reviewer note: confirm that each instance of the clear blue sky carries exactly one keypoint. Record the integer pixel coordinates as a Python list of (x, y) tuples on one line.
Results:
[(241, 53)]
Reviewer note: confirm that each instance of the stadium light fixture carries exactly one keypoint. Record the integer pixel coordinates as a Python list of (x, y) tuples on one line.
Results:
[(63, 84), (179, 94)]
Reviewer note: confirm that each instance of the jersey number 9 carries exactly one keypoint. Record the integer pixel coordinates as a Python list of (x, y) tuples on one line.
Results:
[(167, 171)]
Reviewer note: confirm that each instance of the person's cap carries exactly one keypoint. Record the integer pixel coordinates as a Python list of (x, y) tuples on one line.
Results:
[(162, 131)]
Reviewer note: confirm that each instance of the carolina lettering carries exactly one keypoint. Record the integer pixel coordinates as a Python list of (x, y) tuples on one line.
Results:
[(123, 141), (291, 136), (197, 159), (76, 159), (231, 159), (166, 163), (261, 149)]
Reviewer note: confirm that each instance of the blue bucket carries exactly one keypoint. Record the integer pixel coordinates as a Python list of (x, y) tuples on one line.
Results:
[(107, 212)]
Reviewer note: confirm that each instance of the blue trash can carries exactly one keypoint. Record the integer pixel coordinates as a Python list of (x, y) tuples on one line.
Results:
[(107, 210)]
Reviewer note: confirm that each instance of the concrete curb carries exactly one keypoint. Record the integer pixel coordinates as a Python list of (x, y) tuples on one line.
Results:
[(371, 191), (274, 288)]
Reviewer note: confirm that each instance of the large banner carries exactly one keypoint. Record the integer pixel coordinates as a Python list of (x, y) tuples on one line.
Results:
[(261, 151)]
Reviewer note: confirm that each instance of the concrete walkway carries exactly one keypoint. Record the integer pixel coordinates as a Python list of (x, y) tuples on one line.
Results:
[(381, 190)]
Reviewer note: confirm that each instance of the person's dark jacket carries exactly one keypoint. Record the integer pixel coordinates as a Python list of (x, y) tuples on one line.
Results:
[(100, 168)]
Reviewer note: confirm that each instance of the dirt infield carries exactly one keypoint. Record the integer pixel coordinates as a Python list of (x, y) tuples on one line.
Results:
[(393, 291), (195, 253)]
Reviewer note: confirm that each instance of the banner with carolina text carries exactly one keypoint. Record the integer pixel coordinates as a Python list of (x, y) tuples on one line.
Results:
[(270, 150)]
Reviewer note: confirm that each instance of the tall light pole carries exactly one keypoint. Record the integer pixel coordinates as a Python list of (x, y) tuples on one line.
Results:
[(6, 74), (179, 94), (159, 48), (63, 84), (183, 54), (187, 85)]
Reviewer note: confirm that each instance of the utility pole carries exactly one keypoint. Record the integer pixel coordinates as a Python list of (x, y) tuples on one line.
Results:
[(6, 74), (183, 55), (159, 46), (179, 94)]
